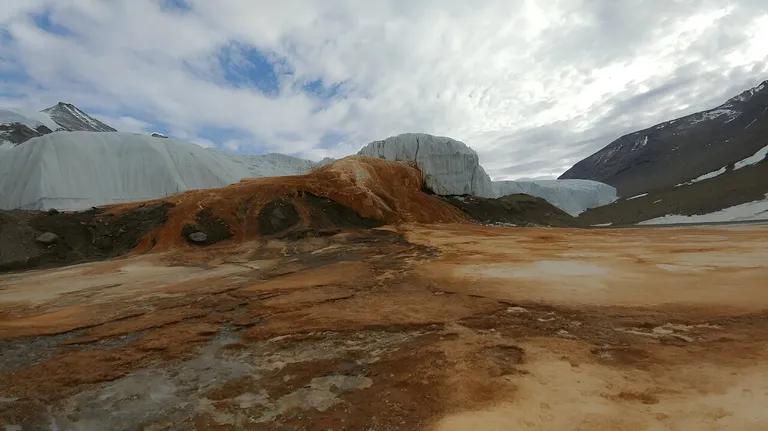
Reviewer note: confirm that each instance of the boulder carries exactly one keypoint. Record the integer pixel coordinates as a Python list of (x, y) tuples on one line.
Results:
[(198, 237), (47, 238), (449, 166)]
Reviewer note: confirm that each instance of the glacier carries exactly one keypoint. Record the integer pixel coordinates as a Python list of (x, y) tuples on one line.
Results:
[(78, 170), (571, 196), (449, 166)]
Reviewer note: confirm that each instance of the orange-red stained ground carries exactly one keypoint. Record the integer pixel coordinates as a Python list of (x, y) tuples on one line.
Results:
[(440, 327)]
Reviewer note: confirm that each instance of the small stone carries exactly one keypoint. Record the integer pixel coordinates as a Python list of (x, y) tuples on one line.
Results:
[(47, 238), (198, 237)]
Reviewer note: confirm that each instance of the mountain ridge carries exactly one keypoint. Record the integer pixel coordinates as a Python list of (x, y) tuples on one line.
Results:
[(682, 149)]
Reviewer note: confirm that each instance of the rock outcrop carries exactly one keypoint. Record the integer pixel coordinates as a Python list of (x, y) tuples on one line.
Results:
[(677, 151), (449, 166)]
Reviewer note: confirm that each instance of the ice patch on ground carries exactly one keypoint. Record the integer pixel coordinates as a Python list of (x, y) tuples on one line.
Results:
[(706, 176), (755, 210), (759, 156), (637, 196)]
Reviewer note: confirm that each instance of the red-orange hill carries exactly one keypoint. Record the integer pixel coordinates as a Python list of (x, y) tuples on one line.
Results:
[(388, 191)]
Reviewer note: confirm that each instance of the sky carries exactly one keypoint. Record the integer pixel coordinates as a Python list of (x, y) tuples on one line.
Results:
[(533, 86)]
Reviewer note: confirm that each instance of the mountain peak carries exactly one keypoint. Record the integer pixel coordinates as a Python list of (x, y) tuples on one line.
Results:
[(72, 118), (748, 94)]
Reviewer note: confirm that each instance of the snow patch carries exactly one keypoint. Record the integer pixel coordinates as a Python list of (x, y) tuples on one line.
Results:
[(706, 176), (755, 210), (637, 196), (640, 143), (730, 115), (759, 156)]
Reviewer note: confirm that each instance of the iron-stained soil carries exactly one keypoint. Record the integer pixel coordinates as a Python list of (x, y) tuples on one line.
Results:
[(439, 327)]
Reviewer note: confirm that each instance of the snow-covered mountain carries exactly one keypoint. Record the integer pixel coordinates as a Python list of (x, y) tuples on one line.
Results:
[(77, 170), (70, 117), (677, 151), (737, 193), (18, 126), (571, 196)]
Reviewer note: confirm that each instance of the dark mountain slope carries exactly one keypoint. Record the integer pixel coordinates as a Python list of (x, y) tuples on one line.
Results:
[(676, 151), (729, 189)]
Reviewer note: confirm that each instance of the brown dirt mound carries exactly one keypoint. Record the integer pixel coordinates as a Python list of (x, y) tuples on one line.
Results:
[(354, 191)]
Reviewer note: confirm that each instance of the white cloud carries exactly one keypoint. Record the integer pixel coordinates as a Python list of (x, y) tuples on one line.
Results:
[(533, 86)]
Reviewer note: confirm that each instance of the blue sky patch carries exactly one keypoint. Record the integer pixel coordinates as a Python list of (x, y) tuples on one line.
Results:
[(44, 21), (246, 66), (331, 140), (319, 88), (175, 5)]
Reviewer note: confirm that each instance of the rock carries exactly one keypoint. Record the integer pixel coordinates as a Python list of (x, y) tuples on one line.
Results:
[(449, 167), (158, 135), (47, 238), (277, 216), (198, 237)]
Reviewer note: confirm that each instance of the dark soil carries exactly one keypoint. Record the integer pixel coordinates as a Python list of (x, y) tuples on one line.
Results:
[(319, 215), (277, 216), (726, 190), (517, 209), (214, 228), (82, 236)]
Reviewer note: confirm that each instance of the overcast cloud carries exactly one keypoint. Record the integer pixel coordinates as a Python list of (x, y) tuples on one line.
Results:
[(533, 86)]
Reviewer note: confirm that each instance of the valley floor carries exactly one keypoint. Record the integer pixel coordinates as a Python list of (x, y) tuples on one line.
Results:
[(441, 327)]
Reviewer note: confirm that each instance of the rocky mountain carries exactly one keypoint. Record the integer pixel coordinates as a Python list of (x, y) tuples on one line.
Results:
[(681, 150), (71, 118), (739, 193), (78, 170), (17, 127)]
